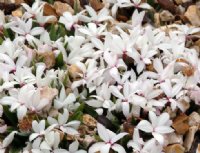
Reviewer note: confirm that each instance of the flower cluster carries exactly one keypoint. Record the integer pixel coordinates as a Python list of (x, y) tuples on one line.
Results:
[(53, 71)]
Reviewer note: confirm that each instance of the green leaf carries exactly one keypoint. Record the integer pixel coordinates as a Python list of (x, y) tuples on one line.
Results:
[(8, 33), (15, 150), (52, 33), (11, 117), (89, 110), (151, 2), (76, 7), (61, 31), (76, 116), (59, 60), (1, 40)]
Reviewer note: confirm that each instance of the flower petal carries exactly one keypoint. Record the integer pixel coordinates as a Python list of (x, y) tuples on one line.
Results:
[(145, 126)]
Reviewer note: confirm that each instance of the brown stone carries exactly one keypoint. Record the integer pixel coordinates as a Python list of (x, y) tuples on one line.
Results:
[(166, 16), (49, 58), (48, 93), (89, 120), (74, 71), (198, 149), (180, 124), (49, 10), (190, 137), (62, 7), (194, 119), (96, 4), (17, 13), (193, 15), (19, 1), (175, 148), (129, 128), (173, 138), (157, 19)]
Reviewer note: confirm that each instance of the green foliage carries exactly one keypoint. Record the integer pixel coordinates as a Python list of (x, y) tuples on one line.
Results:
[(59, 60)]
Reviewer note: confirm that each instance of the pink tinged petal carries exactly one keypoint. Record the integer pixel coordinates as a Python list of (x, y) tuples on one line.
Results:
[(45, 145), (163, 129), (51, 120), (139, 101), (114, 90), (115, 74), (69, 130), (74, 124), (158, 137), (145, 6), (96, 147), (168, 71), (157, 64), (42, 103), (173, 104), (153, 118), (109, 58), (176, 88), (118, 148), (28, 25), (8, 139), (37, 31), (91, 11), (140, 67), (36, 143), (18, 30), (3, 128), (35, 126), (118, 137), (73, 147), (70, 99), (163, 119), (126, 108), (102, 131), (76, 84), (85, 31), (21, 112), (94, 103), (145, 126), (33, 136), (105, 148), (167, 88), (42, 125)]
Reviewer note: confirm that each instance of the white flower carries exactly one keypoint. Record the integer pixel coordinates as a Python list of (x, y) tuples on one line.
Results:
[(73, 148), (34, 10), (136, 143), (109, 139), (69, 128), (70, 21), (102, 98), (7, 141), (39, 129), (127, 97), (159, 126), (89, 73), (92, 30), (102, 15), (17, 100), (162, 73), (23, 99), (25, 30), (137, 4), (143, 57), (64, 101), (171, 92), (51, 140)]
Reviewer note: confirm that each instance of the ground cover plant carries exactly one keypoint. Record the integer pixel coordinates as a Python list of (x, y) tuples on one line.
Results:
[(80, 76)]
